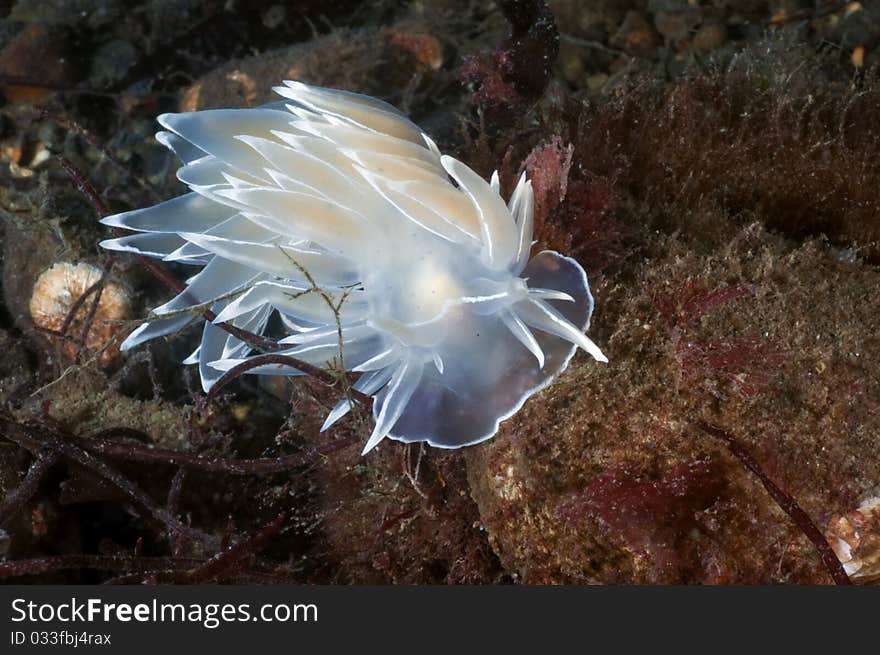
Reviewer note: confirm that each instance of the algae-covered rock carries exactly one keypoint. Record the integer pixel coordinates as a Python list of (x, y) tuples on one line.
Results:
[(83, 400), (607, 477)]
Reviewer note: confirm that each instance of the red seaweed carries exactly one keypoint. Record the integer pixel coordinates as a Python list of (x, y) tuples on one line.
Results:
[(749, 363), (652, 515), (517, 72), (688, 303)]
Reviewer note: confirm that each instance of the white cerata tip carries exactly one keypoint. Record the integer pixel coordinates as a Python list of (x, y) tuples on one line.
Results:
[(445, 314)]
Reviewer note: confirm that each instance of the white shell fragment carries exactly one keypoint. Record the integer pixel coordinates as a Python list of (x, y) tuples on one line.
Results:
[(450, 323)]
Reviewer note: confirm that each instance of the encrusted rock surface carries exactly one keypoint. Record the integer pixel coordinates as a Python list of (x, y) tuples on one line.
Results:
[(607, 477)]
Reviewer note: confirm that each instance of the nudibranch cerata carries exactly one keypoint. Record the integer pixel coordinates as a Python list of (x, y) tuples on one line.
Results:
[(450, 322)]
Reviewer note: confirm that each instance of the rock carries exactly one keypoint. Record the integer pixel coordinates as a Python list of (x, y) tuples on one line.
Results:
[(34, 63), (26, 254), (425, 49), (274, 16), (85, 401), (583, 18), (677, 25), (711, 35), (112, 62), (344, 59), (783, 11), (571, 63), (15, 370), (636, 34), (604, 476), (597, 82), (860, 26)]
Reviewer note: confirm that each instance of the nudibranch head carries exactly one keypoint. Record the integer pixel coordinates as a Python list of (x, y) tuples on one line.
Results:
[(450, 322)]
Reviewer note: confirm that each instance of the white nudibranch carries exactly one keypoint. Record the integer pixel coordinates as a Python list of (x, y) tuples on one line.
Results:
[(450, 322)]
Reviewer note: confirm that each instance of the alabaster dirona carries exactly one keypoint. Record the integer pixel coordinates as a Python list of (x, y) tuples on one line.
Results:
[(420, 263)]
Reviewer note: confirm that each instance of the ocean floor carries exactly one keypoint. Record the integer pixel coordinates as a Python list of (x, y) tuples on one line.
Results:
[(713, 165)]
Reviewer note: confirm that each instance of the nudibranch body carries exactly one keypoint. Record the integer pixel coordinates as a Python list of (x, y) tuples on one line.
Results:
[(450, 323)]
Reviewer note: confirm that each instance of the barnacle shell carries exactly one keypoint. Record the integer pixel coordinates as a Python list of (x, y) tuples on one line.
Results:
[(330, 199), (855, 538), (59, 287)]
